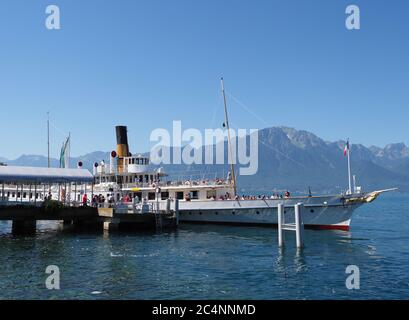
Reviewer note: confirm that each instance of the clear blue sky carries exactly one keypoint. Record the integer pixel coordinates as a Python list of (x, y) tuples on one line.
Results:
[(146, 63)]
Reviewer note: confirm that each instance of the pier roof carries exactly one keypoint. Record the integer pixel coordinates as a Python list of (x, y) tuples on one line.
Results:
[(11, 174)]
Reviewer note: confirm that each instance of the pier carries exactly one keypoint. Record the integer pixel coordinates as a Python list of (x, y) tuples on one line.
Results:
[(140, 216), (32, 202)]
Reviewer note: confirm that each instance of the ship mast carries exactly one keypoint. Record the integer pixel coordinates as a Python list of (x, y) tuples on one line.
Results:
[(351, 191), (229, 138)]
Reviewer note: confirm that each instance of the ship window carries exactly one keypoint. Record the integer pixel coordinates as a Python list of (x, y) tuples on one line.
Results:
[(216, 213), (179, 195), (258, 212), (211, 194), (312, 210), (194, 194), (233, 212), (164, 195), (151, 196)]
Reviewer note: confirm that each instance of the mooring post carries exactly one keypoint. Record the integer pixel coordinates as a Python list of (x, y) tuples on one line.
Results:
[(35, 194), (167, 205), (298, 225), (75, 195), (280, 220), (65, 194), (111, 225), (24, 226)]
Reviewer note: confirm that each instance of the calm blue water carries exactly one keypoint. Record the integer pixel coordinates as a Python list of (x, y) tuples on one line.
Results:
[(215, 262)]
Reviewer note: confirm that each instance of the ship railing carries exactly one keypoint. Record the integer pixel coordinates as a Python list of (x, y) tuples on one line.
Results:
[(178, 183)]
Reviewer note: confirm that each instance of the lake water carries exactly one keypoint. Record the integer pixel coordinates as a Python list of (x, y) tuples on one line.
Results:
[(214, 262)]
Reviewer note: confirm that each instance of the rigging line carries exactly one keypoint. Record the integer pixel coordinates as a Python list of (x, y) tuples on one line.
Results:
[(280, 152), (263, 121), (247, 108), (218, 106), (59, 130)]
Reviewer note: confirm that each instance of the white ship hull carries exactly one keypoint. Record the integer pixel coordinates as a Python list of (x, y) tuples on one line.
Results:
[(319, 212)]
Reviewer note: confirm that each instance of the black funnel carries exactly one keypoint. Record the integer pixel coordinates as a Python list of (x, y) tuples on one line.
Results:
[(121, 135)]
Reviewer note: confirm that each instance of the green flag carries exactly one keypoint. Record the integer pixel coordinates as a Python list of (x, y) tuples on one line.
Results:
[(64, 154)]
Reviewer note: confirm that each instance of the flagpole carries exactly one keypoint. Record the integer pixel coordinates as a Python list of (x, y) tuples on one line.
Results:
[(68, 166), (48, 138)]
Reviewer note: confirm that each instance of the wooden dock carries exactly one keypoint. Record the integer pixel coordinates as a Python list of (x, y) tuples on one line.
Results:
[(24, 218)]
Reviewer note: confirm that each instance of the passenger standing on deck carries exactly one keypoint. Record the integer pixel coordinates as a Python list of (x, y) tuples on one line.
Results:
[(94, 201), (85, 200)]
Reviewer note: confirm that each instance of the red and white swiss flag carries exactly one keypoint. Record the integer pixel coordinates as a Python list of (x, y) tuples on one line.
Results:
[(346, 149)]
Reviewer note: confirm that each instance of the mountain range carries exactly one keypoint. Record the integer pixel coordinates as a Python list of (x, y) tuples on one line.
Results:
[(290, 159)]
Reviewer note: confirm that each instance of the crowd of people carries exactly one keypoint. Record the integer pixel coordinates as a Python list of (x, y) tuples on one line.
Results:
[(228, 196), (97, 200), (100, 200)]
